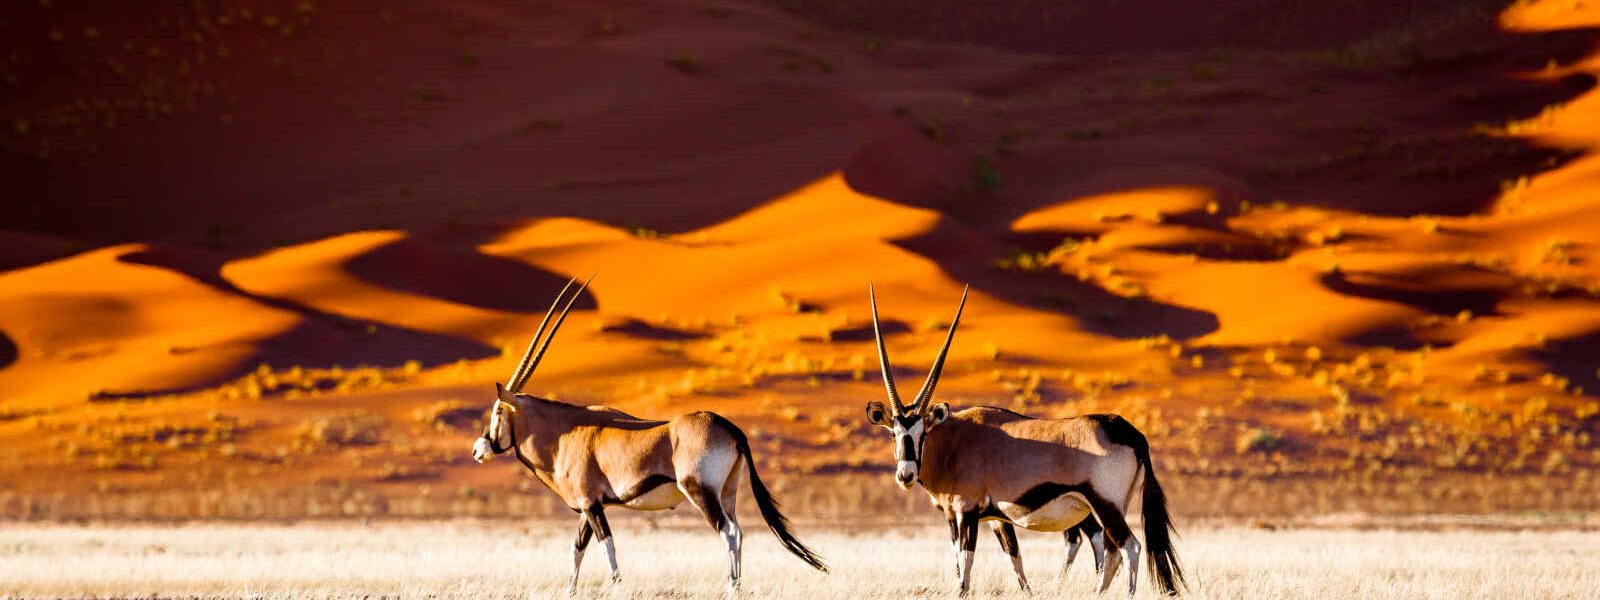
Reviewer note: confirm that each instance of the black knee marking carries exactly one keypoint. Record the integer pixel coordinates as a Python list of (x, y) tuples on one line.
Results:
[(967, 523), (709, 502), (597, 521), (1008, 539), (1088, 526), (585, 531)]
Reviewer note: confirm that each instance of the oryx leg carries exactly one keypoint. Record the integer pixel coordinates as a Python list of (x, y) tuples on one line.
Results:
[(1097, 545), (1074, 539), (596, 514), (955, 540), (585, 531), (708, 500), (1007, 534), (1075, 535), (732, 534), (1119, 541), (967, 527)]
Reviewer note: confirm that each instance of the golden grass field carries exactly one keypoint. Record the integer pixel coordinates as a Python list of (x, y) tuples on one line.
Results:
[(501, 559)]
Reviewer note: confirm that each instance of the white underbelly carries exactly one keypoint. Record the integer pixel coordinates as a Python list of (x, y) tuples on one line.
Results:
[(663, 497), (1059, 514)]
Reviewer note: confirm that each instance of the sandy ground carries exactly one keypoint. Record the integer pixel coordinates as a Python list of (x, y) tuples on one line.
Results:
[(502, 560)]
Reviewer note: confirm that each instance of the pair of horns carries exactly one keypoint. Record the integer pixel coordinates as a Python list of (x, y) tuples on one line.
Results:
[(531, 358), (920, 404)]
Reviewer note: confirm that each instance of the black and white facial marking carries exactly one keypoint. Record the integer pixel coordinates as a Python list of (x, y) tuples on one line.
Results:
[(910, 430), (496, 438)]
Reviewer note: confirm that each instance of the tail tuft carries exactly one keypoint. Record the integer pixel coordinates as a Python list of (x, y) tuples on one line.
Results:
[(770, 512), (1158, 532)]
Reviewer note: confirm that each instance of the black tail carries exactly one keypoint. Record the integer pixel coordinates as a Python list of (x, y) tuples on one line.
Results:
[(1158, 529), (769, 507)]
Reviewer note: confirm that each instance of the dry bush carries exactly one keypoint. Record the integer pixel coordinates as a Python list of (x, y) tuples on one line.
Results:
[(357, 428), (447, 415)]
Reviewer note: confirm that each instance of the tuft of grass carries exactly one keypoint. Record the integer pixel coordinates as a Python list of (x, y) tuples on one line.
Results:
[(1257, 439), (686, 63), (985, 177), (357, 428)]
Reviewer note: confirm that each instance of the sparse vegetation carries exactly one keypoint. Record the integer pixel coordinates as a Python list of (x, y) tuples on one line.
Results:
[(686, 63), (345, 429), (985, 177)]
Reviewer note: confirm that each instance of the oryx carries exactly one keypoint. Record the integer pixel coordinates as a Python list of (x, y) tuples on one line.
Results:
[(991, 464), (593, 457)]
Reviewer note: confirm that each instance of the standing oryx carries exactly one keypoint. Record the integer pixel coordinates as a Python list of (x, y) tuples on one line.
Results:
[(593, 457), (1043, 474)]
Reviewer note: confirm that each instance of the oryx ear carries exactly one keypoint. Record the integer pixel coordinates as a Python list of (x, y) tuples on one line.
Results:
[(938, 413), (505, 399), (877, 414)]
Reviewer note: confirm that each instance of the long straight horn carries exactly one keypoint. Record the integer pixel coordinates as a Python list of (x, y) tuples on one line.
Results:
[(550, 338), (938, 364), (883, 356), (518, 375)]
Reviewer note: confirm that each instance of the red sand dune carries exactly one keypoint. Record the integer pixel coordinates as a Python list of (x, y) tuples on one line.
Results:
[(1216, 218)]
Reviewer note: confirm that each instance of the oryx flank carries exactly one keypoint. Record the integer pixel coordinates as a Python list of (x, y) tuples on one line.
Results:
[(593, 457), (991, 464)]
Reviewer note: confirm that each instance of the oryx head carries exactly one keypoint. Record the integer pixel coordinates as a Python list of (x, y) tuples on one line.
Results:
[(499, 435), (909, 423)]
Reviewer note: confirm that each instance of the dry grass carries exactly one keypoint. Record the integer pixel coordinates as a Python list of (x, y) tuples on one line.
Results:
[(503, 560)]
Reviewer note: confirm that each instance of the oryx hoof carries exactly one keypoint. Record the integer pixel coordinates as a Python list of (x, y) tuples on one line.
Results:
[(616, 578), (572, 589)]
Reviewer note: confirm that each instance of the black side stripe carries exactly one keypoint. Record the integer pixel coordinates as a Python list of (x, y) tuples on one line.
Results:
[(1110, 518), (1045, 493), (643, 487)]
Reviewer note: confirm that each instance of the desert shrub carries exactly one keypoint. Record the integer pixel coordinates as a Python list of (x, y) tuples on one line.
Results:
[(347, 429), (445, 415), (1257, 439), (985, 177), (686, 63)]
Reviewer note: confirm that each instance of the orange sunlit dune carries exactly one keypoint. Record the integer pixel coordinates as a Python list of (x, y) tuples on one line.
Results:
[(1324, 271)]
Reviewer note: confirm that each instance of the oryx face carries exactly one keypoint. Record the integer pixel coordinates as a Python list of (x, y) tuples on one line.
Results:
[(909, 423), (497, 437), (909, 431), (500, 435)]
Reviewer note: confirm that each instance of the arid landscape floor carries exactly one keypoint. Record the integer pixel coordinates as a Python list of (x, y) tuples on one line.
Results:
[(498, 559)]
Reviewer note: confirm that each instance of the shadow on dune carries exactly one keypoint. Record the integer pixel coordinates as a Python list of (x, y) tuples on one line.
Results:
[(1444, 291), (461, 275), (635, 328), (965, 255), (8, 350), (1574, 359), (864, 333), (1366, 112), (322, 339)]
